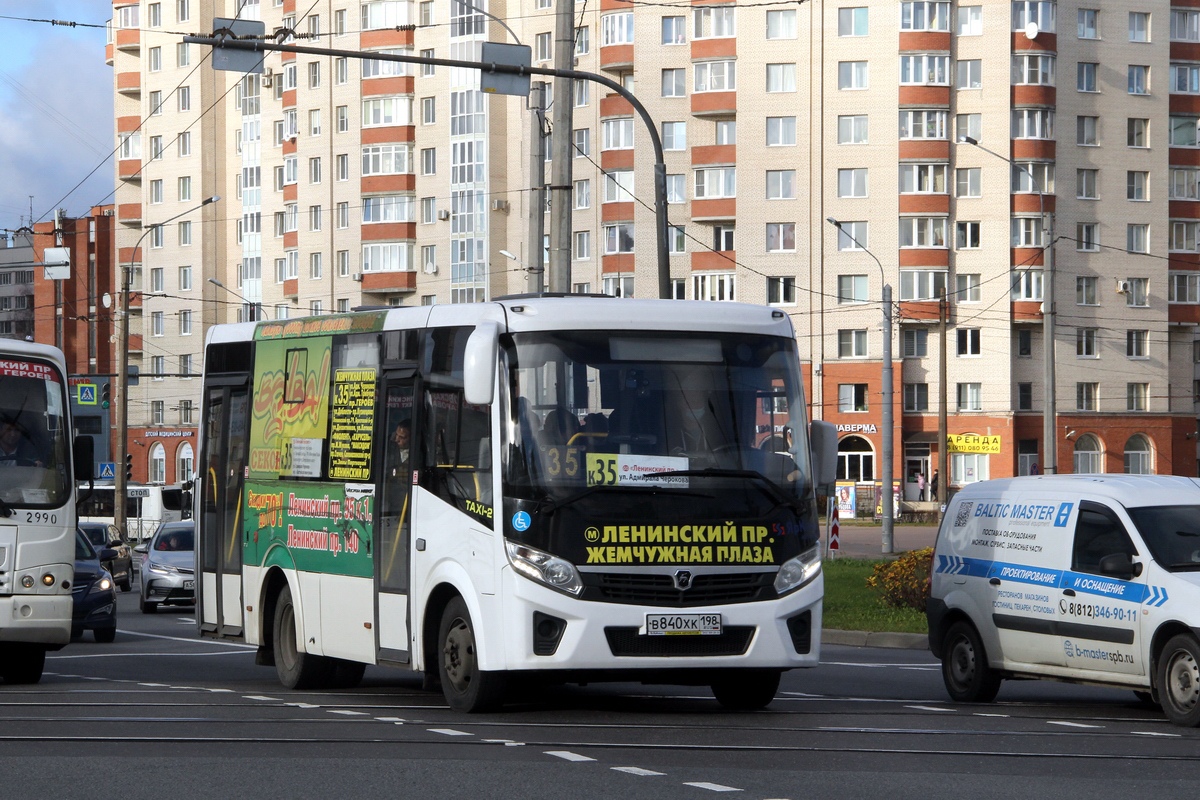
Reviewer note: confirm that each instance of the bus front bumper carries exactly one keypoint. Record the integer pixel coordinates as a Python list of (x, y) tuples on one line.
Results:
[(38, 619)]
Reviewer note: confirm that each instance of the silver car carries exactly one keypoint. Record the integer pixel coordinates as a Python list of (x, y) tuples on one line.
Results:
[(168, 567)]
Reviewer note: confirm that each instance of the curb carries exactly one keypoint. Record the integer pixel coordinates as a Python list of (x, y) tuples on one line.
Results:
[(904, 641)]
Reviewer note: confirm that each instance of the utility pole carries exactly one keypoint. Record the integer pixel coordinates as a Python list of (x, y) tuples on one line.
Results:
[(943, 468), (560, 163), (535, 275)]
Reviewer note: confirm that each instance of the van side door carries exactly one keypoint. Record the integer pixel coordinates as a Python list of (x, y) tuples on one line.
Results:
[(1099, 606)]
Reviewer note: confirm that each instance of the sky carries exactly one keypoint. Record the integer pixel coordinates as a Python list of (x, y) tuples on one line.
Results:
[(56, 109)]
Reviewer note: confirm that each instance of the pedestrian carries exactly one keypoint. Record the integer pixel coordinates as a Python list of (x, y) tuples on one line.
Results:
[(933, 483), (921, 486)]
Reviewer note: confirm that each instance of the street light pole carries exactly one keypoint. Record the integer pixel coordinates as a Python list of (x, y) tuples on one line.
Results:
[(253, 310), (888, 435), (122, 400), (1050, 414)]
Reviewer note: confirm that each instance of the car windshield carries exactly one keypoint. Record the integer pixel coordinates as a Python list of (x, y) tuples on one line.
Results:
[(1172, 533), (94, 534), (83, 548), (34, 464), (174, 540)]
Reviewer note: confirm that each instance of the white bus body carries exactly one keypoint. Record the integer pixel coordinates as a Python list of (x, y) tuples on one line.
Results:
[(585, 489), (146, 507), (37, 509)]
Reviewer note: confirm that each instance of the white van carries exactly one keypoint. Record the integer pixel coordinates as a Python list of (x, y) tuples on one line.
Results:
[(1083, 578)]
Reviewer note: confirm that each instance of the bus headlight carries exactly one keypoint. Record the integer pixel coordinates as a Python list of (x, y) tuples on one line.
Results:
[(798, 571), (555, 572)]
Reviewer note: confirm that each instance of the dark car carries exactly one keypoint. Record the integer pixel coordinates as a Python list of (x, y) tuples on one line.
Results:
[(168, 567), (95, 601), (102, 535)]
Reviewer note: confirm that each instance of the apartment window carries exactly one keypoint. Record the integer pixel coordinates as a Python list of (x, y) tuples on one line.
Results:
[(781, 237), (1033, 70), (852, 21), (970, 21), (1137, 396), (155, 103), (342, 215), (1085, 291), (924, 69), (925, 16), (314, 170), (967, 287), (156, 279), (616, 28), (781, 291), (923, 178), (1085, 184), (154, 59), (428, 110), (1086, 77), (970, 74), (781, 77), (1137, 185), (1137, 344), (852, 289), (1027, 284), (1032, 123), (1183, 287), (922, 124), (914, 343), (1024, 343), (716, 182), (185, 323), (581, 139), (781, 184), (185, 279), (185, 98), (1137, 238), (1137, 132), (852, 343), (314, 218), (853, 75), (715, 76), (582, 193), (617, 133), (674, 135), (1139, 292), (780, 24), (781, 131), (1026, 232), (618, 186), (852, 235), (342, 166), (583, 245), (156, 191), (1185, 183), (1139, 79), (713, 286), (1183, 131), (384, 111), (1185, 79), (852, 182), (185, 144), (966, 235), (183, 54), (1185, 25), (922, 284), (968, 396), (385, 159), (343, 119), (618, 238), (389, 208), (676, 188), (711, 22), (183, 11), (852, 397), (674, 83), (1039, 12), (429, 161), (542, 47), (1086, 131), (153, 16), (1085, 396), (185, 232), (852, 129), (726, 131), (1024, 396), (1088, 23), (674, 30), (581, 90), (1087, 237), (916, 397), (428, 70), (968, 182), (583, 40), (1139, 26), (968, 341), (1085, 343), (157, 323), (923, 232), (968, 125), (158, 367)]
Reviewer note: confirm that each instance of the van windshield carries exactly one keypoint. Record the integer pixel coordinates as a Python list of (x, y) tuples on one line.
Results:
[(1172, 533)]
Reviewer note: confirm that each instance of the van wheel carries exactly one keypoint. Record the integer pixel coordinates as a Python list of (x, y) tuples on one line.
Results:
[(1179, 680), (746, 690), (296, 670), (466, 687), (965, 670)]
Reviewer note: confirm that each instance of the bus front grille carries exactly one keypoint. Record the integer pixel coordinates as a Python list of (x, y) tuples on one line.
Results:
[(732, 641), (659, 589)]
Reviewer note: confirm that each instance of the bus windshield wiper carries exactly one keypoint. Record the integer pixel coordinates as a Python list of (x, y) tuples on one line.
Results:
[(6, 510)]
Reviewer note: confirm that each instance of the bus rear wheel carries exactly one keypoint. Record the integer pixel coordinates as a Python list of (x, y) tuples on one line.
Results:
[(21, 663), (746, 690), (296, 669), (466, 687)]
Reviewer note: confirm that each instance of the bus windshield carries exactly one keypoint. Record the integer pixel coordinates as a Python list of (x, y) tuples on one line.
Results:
[(34, 453), (656, 426)]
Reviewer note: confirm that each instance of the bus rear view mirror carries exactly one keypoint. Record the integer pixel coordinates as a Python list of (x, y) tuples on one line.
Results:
[(85, 456), (823, 439), (479, 364)]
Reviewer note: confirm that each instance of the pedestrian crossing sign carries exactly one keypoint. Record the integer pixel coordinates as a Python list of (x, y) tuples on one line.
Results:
[(87, 394)]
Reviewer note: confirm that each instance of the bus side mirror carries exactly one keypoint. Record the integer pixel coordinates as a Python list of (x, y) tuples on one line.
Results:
[(479, 364), (85, 457), (822, 438)]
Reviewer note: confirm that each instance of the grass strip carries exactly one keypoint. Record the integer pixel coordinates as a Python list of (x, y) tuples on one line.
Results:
[(851, 605)]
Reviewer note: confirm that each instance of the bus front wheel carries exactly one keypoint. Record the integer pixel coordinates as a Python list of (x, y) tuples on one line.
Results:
[(467, 688), (296, 669), (21, 663), (746, 690)]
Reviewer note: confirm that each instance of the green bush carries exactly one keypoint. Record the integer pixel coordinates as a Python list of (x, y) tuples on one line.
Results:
[(905, 581)]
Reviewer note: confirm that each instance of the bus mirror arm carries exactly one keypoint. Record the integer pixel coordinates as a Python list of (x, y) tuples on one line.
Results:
[(479, 363), (84, 456)]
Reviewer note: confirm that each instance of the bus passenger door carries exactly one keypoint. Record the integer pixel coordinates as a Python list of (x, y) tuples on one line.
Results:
[(394, 519), (221, 512)]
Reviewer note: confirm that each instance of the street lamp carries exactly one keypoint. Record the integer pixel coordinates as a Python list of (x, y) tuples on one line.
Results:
[(253, 310), (119, 479), (887, 509), (1050, 415)]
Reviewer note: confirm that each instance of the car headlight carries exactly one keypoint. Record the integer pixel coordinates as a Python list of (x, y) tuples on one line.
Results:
[(104, 584), (798, 571), (555, 572), (161, 569)]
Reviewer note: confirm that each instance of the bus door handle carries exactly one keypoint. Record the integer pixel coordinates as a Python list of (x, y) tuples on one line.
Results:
[(994, 581), (1069, 592), (420, 545)]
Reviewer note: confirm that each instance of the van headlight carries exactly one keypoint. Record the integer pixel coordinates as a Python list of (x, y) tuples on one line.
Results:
[(555, 572), (798, 571)]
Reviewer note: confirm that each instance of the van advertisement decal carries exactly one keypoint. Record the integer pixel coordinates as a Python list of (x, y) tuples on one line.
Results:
[(1129, 591)]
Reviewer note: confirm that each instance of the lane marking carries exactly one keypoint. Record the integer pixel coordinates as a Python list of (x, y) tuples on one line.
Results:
[(449, 732), (712, 787), (637, 771), (302, 705), (261, 697), (1066, 724), (982, 714), (567, 755), (141, 655), (393, 720), (932, 708), (348, 712), (1156, 733)]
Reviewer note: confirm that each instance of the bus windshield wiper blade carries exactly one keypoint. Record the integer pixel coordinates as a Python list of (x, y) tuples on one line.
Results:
[(6, 510)]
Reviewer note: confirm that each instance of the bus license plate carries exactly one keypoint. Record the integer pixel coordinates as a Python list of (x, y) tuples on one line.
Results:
[(682, 624), (189, 585)]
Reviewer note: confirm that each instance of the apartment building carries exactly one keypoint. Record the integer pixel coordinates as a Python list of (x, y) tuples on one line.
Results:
[(978, 149)]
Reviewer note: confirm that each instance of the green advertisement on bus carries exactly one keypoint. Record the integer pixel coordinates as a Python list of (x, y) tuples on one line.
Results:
[(326, 527)]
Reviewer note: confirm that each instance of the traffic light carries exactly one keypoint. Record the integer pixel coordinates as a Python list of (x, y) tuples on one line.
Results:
[(129, 466), (106, 395)]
